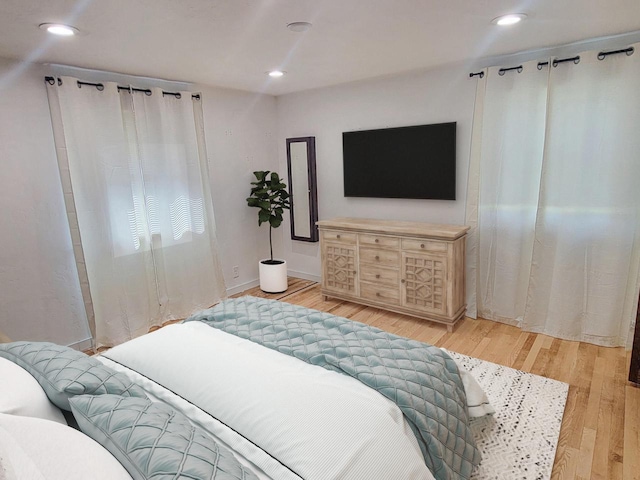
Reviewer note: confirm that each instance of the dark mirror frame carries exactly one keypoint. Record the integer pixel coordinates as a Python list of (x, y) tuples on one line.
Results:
[(634, 367), (311, 187)]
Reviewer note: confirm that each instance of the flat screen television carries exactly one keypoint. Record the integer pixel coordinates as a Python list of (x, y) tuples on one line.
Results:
[(404, 162)]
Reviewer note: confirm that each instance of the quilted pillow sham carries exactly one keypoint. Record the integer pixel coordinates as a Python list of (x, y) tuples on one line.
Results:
[(63, 372), (152, 440)]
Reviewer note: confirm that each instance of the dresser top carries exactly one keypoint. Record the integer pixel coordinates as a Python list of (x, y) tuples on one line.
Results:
[(417, 229)]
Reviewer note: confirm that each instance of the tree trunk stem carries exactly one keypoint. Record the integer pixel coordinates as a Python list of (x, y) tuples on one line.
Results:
[(270, 244)]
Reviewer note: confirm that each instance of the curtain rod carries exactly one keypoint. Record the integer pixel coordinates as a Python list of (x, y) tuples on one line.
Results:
[(502, 71), (146, 91), (100, 87), (629, 51), (556, 61)]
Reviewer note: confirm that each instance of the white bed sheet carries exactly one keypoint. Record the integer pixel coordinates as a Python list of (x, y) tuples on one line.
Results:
[(315, 424)]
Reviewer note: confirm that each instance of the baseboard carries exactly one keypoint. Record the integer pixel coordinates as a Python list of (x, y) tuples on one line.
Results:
[(305, 276), (242, 287)]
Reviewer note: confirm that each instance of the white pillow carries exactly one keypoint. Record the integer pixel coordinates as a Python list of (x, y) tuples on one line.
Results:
[(21, 394), (36, 449)]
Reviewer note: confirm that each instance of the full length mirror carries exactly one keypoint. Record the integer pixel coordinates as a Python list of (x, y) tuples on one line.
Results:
[(301, 165)]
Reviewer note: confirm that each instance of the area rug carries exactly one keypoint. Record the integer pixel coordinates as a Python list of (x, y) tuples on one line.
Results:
[(520, 440)]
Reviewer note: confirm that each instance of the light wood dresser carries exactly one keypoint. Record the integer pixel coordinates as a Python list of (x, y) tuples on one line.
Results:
[(406, 267)]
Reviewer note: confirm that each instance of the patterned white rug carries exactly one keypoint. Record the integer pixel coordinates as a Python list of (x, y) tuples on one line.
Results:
[(520, 440)]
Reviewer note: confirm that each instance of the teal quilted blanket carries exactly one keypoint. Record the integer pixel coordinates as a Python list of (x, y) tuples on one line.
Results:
[(421, 379)]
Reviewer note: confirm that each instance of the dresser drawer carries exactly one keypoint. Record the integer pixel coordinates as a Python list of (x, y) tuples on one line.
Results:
[(380, 294), (380, 275), (379, 241), (417, 245), (374, 256), (340, 237)]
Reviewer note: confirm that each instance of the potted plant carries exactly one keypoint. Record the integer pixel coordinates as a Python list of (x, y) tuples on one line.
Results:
[(269, 194)]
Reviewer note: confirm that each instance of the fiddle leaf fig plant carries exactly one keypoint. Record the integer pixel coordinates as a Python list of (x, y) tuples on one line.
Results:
[(269, 194)]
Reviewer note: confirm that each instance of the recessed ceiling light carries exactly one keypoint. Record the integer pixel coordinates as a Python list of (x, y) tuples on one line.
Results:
[(59, 29), (510, 19), (275, 73), (299, 26)]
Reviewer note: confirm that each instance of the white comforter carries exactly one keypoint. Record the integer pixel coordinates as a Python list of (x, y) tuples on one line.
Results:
[(284, 418)]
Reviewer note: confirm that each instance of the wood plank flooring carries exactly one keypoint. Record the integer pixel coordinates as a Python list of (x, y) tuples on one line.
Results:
[(600, 435)]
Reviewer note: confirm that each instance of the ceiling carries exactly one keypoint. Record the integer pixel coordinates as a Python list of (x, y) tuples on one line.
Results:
[(232, 43)]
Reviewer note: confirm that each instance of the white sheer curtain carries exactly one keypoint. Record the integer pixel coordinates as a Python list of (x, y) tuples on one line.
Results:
[(511, 163), (139, 182), (557, 210)]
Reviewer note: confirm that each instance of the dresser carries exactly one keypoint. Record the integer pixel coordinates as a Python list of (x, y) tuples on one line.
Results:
[(405, 267)]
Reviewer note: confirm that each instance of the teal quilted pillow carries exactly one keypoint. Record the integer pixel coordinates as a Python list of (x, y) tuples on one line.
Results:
[(63, 372), (152, 440)]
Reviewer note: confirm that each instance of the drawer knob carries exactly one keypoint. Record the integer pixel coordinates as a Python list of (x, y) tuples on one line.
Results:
[(337, 236), (402, 281), (355, 271), (378, 294), (377, 275), (377, 241), (421, 245), (377, 257)]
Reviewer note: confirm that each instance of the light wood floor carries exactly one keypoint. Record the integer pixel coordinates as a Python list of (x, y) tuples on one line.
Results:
[(600, 435)]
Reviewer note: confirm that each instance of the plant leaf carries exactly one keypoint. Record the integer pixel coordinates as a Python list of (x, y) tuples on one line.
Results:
[(275, 221), (269, 194), (261, 175), (264, 216)]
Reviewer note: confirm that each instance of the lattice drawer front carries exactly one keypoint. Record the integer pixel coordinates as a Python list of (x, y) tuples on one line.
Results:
[(340, 268), (425, 282)]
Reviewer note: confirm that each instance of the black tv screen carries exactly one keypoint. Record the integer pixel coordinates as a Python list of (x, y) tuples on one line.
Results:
[(404, 162)]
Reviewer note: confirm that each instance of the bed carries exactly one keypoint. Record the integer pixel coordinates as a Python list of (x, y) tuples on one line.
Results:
[(250, 389)]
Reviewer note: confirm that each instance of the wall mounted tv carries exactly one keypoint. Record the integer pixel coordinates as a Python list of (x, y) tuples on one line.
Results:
[(404, 162)]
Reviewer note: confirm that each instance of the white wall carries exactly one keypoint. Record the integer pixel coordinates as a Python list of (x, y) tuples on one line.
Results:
[(40, 295), (241, 138), (436, 96)]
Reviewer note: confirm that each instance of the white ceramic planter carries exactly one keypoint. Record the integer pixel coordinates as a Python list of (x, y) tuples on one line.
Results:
[(273, 278)]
